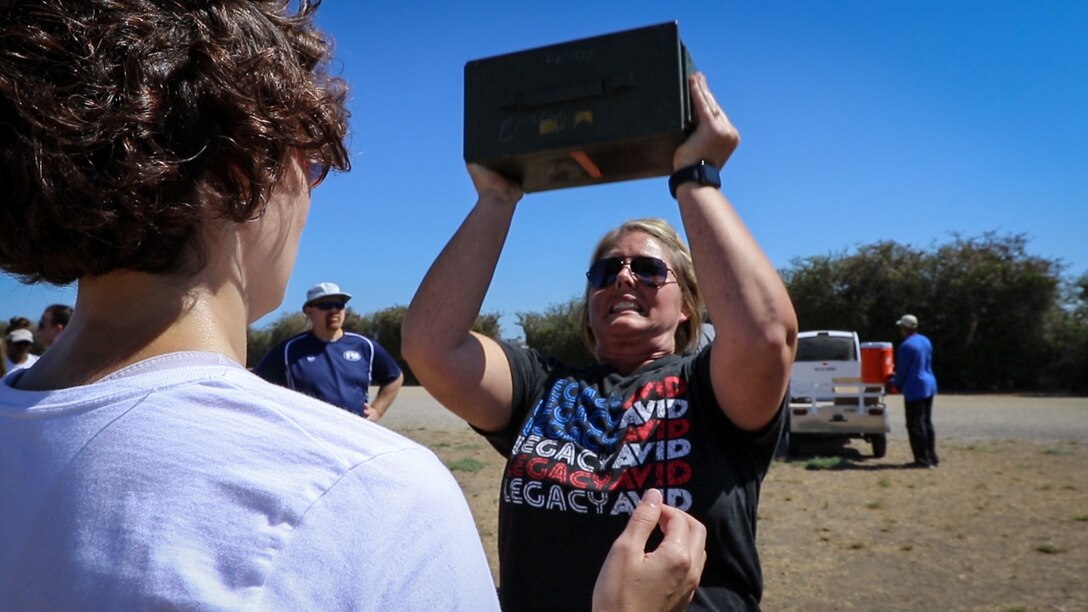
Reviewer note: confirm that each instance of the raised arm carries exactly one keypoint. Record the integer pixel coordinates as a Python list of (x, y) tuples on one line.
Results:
[(465, 371), (754, 319)]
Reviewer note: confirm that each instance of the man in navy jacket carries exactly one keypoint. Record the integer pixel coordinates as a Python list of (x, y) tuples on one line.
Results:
[(330, 364)]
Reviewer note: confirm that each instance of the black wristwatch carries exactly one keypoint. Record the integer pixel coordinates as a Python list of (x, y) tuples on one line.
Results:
[(703, 173)]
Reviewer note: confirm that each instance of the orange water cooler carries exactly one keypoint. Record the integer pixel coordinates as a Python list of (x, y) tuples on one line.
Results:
[(877, 363)]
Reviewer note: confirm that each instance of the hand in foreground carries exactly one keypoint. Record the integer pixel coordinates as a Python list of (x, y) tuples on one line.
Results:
[(370, 414), (494, 186), (715, 138), (664, 579)]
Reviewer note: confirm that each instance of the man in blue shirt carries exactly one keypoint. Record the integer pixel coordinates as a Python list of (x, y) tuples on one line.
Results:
[(914, 376), (330, 364)]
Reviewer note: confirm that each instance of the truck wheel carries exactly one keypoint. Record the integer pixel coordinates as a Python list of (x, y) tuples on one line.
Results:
[(785, 440), (880, 445)]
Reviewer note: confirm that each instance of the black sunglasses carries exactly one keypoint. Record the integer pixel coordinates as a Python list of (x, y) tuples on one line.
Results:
[(338, 304), (649, 271)]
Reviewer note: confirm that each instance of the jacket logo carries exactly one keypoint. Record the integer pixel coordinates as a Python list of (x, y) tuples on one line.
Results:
[(352, 355)]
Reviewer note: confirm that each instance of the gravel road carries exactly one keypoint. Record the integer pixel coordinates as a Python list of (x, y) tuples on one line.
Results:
[(965, 417), (1002, 417)]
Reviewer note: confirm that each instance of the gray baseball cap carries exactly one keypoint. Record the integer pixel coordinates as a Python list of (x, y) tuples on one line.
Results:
[(324, 290), (907, 320)]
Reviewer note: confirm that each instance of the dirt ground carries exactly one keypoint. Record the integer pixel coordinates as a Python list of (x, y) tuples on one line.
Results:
[(1002, 524)]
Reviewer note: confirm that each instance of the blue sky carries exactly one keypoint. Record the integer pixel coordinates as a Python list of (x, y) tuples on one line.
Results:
[(860, 121)]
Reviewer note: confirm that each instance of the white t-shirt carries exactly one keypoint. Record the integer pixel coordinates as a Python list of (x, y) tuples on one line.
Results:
[(185, 481), (31, 358)]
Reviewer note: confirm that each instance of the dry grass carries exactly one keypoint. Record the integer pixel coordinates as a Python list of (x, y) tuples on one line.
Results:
[(999, 526)]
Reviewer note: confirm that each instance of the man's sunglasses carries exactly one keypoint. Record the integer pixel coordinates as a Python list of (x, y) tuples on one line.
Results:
[(337, 304), (649, 271)]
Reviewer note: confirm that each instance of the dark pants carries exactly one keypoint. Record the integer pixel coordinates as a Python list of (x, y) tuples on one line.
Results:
[(923, 440)]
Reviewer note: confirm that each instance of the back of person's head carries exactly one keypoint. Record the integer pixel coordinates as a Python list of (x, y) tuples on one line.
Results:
[(128, 124), (17, 322), (59, 314)]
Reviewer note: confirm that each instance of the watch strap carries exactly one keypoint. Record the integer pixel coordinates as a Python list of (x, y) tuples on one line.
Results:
[(703, 173)]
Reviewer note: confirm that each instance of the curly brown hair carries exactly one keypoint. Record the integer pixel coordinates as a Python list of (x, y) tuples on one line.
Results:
[(125, 124)]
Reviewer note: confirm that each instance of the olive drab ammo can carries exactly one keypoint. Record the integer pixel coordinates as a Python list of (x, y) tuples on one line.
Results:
[(596, 110)]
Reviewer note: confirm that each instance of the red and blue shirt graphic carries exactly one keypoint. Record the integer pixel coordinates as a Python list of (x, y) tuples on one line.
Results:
[(579, 452)]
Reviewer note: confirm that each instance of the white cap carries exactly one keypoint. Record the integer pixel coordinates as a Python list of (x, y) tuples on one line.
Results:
[(323, 290), (907, 320), (21, 335)]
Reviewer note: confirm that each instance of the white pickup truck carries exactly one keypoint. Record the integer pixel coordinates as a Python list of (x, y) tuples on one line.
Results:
[(828, 397)]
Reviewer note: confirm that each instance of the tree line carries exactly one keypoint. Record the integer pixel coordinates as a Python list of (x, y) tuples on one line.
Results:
[(1000, 318)]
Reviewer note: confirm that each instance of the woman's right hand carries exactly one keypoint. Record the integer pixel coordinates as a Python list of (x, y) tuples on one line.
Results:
[(494, 187)]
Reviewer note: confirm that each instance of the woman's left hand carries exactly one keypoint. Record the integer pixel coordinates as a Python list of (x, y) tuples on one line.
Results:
[(715, 138), (742, 290)]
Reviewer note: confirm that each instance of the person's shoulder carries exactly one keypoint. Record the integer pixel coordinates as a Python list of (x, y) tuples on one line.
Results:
[(355, 339), (331, 427), (519, 354), (302, 429), (304, 336), (918, 340), (927, 344)]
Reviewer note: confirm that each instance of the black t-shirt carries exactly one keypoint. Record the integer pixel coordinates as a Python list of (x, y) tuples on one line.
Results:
[(582, 446)]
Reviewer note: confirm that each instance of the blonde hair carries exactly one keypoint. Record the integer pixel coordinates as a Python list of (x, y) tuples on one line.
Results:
[(687, 333)]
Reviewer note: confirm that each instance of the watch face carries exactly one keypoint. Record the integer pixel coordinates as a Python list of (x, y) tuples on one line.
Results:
[(708, 175), (702, 173)]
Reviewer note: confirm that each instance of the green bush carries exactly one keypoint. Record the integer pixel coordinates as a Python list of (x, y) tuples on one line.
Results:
[(556, 332), (1000, 318), (997, 315)]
